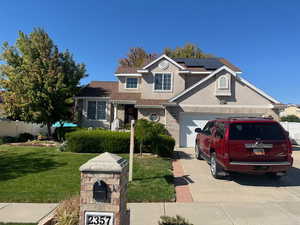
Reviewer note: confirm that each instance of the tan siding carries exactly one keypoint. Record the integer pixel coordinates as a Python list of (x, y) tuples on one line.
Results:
[(145, 113), (148, 79), (122, 85), (204, 94)]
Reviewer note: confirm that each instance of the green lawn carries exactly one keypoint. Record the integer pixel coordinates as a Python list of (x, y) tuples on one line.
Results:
[(43, 174)]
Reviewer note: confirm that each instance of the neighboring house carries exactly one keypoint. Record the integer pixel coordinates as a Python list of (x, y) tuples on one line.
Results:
[(180, 93), (291, 110)]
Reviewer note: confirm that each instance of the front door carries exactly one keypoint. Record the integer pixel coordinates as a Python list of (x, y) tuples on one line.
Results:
[(130, 113)]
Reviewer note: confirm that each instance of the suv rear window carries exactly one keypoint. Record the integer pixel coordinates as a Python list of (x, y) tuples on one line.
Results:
[(253, 131)]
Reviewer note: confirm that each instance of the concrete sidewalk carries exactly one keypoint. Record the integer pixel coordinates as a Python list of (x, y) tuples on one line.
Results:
[(198, 213), (24, 212)]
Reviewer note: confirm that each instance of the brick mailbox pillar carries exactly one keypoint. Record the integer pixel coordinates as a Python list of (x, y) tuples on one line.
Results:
[(103, 194)]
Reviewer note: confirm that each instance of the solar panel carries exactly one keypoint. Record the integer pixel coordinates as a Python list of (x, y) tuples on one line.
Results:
[(211, 63)]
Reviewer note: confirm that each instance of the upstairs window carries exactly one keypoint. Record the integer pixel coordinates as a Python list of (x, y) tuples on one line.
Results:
[(131, 82), (96, 110), (223, 82), (162, 82)]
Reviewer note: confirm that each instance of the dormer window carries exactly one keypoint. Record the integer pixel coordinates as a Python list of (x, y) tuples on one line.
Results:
[(223, 82), (131, 83)]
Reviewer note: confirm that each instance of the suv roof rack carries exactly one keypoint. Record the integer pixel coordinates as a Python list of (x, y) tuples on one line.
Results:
[(247, 117)]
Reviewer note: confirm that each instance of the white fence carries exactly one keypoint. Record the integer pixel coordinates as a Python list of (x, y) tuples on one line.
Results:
[(14, 128), (293, 129)]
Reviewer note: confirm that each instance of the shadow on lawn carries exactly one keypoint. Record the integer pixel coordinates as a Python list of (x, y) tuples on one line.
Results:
[(177, 181), (17, 165)]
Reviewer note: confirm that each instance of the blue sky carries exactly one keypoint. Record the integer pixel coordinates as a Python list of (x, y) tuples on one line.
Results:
[(262, 37)]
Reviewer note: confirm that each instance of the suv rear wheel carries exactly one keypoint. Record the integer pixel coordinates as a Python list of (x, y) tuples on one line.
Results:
[(197, 152), (215, 168)]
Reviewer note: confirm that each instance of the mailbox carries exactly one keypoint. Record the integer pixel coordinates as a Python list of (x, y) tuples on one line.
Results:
[(100, 191)]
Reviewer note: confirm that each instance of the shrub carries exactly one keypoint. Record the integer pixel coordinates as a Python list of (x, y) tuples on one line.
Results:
[(9, 139), (152, 137), (290, 118), (163, 146), (98, 141), (63, 146), (178, 220), (67, 213), (25, 137)]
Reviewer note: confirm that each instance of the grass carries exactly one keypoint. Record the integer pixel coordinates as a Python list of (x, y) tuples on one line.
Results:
[(43, 174)]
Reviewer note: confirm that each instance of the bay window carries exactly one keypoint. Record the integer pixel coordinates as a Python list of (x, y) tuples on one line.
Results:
[(96, 110)]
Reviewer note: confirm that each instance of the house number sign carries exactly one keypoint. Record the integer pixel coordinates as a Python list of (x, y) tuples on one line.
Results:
[(99, 218)]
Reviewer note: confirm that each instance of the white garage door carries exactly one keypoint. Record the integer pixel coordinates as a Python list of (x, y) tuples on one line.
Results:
[(190, 121)]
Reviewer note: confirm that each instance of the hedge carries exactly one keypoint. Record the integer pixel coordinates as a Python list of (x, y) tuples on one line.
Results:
[(99, 141), (23, 137)]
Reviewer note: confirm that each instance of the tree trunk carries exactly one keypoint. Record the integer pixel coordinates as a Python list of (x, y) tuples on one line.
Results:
[(141, 148), (49, 129)]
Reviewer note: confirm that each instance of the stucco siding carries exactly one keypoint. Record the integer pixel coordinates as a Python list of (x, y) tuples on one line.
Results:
[(145, 113), (205, 94), (147, 83), (122, 85)]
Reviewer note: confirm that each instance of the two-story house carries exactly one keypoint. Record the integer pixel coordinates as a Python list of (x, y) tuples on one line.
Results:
[(182, 93)]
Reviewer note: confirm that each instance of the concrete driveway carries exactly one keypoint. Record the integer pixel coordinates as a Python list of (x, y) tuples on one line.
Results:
[(245, 199)]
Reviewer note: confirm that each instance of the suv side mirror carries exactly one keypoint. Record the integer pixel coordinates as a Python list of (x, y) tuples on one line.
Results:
[(198, 130)]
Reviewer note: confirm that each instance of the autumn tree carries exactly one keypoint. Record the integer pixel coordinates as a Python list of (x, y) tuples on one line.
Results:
[(187, 51), (39, 80), (136, 58)]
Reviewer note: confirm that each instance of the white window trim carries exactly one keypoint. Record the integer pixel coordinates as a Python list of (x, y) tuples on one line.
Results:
[(137, 86), (165, 91), (87, 113), (227, 83)]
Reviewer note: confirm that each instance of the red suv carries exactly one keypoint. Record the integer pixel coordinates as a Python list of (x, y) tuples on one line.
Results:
[(247, 145)]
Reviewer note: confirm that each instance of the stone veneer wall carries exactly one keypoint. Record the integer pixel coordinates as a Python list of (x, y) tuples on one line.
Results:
[(106, 168)]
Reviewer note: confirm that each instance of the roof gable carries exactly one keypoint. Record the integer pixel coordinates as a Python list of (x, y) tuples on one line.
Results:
[(161, 57), (212, 74)]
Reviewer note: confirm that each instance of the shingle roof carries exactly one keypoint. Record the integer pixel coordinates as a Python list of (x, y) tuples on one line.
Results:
[(192, 64), (126, 96), (99, 89), (151, 102)]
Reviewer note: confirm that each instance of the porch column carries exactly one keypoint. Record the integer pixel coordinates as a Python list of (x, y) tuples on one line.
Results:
[(115, 111)]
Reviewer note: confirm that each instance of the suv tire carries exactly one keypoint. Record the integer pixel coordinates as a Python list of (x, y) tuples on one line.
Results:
[(215, 168), (197, 152)]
